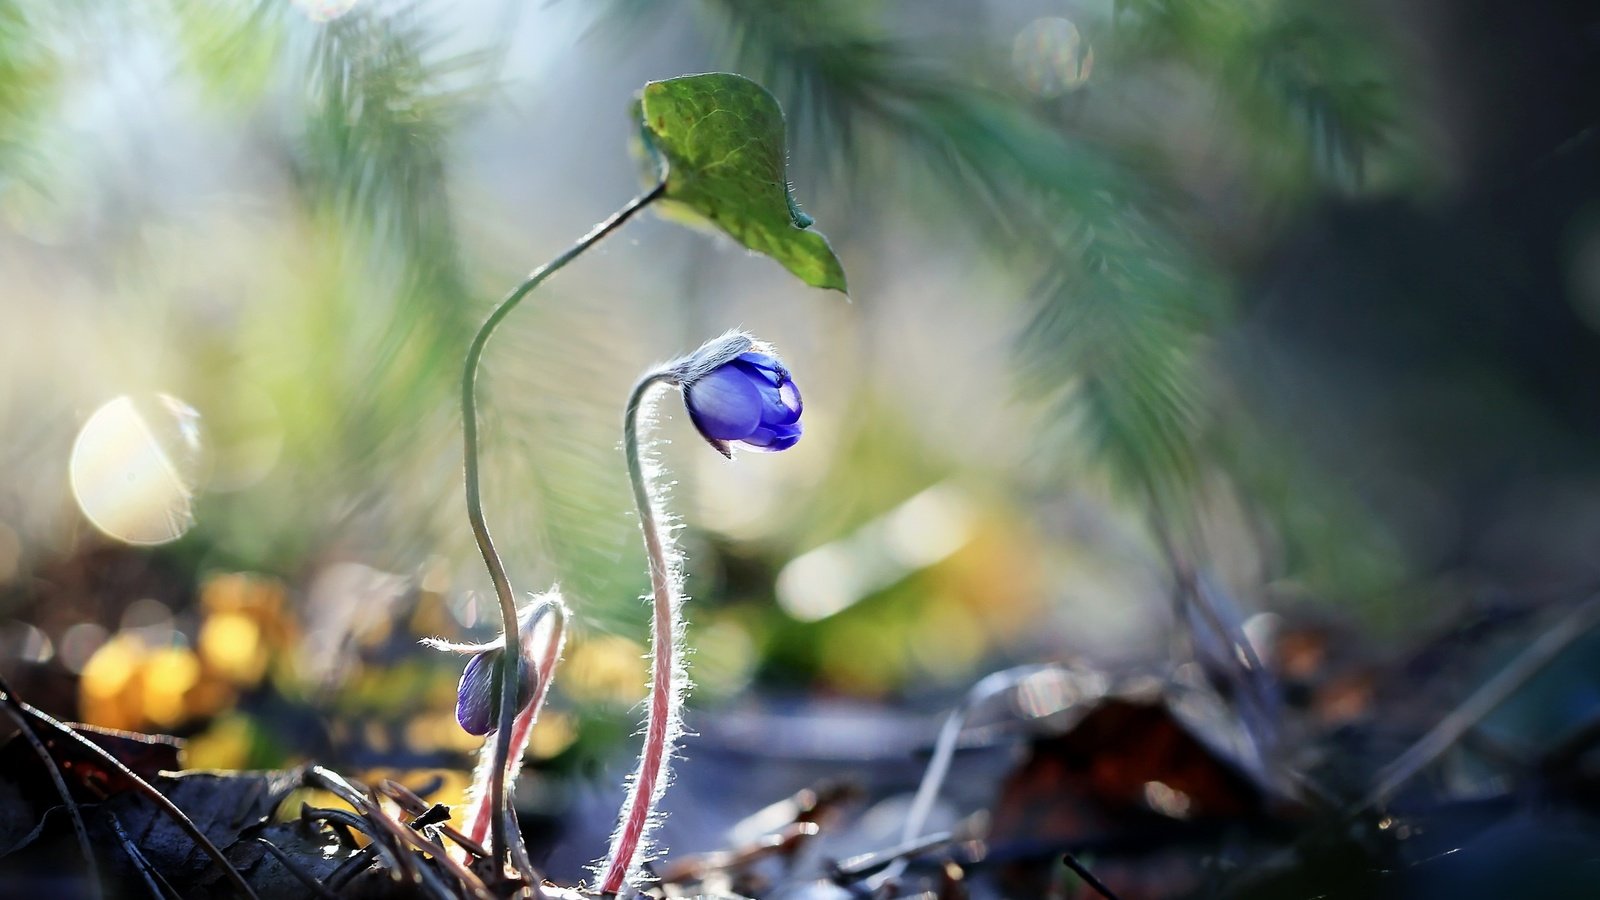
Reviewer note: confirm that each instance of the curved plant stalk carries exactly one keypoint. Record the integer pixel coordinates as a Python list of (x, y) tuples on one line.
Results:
[(944, 750), (668, 678), (480, 529)]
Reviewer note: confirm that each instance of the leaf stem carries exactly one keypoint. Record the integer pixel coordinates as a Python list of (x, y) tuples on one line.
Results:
[(480, 529), (666, 688)]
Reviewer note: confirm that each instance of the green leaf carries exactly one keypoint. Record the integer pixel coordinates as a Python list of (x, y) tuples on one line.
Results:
[(718, 141)]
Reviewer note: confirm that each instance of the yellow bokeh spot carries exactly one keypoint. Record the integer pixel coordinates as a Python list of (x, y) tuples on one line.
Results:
[(225, 745), (108, 670), (126, 684), (604, 668), (108, 692), (230, 644), (452, 787), (262, 600), (553, 733), (169, 673), (238, 591), (428, 732)]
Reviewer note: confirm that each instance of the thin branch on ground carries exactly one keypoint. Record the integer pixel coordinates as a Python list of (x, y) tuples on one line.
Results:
[(147, 872), (297, 870), (17, 710), (143, 787), (893, 859), (1530, 662), (1083, 872)]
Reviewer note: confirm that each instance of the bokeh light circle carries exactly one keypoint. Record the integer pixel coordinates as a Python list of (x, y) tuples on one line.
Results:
[(134, 468), (1051, 57)]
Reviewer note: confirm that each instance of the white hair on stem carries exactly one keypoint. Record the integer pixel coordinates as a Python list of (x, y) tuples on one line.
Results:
[(545, 616), (669, 676), (669, 679)]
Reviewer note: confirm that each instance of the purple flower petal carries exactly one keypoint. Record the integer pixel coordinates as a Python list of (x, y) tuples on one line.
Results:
[(479, 693), (772, 439), (750, 399), (725, 405), (778, 405), (789, 397), (764, 365)]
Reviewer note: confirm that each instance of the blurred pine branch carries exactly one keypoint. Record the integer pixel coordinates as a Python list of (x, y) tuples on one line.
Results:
[(1108, 245), (383, 103), (28, 83), (1123, 302)]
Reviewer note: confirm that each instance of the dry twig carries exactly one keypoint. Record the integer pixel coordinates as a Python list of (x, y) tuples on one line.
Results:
[(143, 787)]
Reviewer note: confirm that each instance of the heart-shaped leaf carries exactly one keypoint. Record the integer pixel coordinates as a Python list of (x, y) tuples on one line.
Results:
[(718, 141)]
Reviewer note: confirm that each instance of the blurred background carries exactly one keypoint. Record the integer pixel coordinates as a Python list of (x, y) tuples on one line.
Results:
[(1301, 296)]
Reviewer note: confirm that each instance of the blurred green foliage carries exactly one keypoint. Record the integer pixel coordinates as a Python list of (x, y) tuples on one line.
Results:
[(313, 282), (28, 82)]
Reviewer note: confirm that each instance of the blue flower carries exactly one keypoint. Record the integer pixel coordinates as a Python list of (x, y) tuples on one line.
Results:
[(478, 696), (750, 399)]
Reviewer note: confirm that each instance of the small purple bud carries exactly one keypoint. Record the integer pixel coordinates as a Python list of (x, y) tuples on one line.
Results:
[(478, 696), (750, 399)]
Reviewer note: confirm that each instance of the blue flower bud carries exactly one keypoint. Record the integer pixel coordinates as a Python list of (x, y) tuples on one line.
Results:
[(478, 696), (750, 399)]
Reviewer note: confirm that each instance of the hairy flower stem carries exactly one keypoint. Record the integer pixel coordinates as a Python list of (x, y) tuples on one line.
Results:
[(480, 528), (666, 681)]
